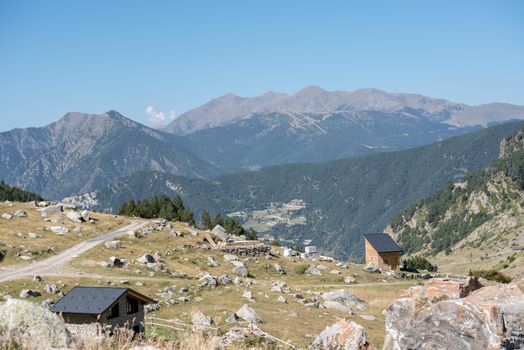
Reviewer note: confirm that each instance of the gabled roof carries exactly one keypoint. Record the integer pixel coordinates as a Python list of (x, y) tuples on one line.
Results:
[(94, 300), (382, 243)]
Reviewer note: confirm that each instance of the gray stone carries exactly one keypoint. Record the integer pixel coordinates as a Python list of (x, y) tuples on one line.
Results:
[(33, 326), (59, 230), (146, 258), (73, 216), (33, 235), (240, 271), (249, 314), (20, 213), (212, 261), (279, 269), (312, 270), (37, 278), (151, 307), (113, 244), (86, 215), (7, 216), (350, 280), (113, 261), (47, 303), (343, 335), (50, 210), (368, 317), (51, 288), (247, 295), (335, 272), (201, 321), (371, 268), (208, 281), (343, 300), (281, 299), (224, 280), (26, 293), (230, 257), (236, 263)]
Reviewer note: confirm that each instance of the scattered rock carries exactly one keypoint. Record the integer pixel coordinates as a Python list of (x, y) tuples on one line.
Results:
[(240, 271), (201, 322), (33, 326), (59, 230), (248, 295), (279, 269), (249, 314), (20, 213), (368, 317), (26, 293), (146, 258), (7, 216), (312, 270), (37, 278), (212, 261), (281, 299), (113, 244), (50, 210), (227, 341), (335, 272), (33, 235), (47, 303), (371, 268), (343, 300), (230, 257), (208, 281), (74, 216), (51, 288), (224, 280), (343, 335), (86, 215), (350, 280), (113, 261), (151, 307)]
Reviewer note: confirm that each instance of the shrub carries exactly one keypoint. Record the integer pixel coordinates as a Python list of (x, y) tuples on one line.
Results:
[(416, 263), (301, 269), (490, 275)]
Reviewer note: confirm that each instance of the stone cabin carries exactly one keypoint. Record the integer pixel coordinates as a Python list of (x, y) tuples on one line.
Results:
[(382, 251), (91, 311)]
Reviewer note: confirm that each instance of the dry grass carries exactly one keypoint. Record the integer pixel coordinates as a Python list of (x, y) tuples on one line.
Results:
[(50, 243)]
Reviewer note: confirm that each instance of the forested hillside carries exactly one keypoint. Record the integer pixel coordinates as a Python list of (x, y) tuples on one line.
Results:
[(11, 193), (484, 213), (342, 199)]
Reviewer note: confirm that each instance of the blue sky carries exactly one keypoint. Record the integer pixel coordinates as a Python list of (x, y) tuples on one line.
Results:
[(93, 56)]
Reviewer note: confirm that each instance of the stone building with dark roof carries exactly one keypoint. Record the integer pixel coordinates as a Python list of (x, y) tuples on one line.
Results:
[(89, 311), (382, 251)]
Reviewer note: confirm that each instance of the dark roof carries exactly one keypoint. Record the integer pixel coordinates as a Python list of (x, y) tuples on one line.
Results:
[(382, 242), (94, 300)]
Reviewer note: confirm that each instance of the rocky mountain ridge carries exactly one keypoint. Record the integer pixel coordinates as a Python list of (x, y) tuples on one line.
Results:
[(82, 152)]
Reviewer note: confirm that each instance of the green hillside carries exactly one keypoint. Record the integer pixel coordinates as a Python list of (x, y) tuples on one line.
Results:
[(476, 222), (342, 198)]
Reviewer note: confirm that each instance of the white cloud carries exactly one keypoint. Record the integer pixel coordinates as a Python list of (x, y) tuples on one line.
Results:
[(155, 116)]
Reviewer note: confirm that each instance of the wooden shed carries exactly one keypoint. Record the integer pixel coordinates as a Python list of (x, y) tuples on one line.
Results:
[(382, 251)]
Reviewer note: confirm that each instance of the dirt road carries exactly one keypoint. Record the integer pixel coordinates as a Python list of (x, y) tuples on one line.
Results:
[(54, 264)]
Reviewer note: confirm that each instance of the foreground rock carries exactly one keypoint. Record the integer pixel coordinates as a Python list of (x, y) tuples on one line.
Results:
[(343, 335), (426, 317), (46, 329)]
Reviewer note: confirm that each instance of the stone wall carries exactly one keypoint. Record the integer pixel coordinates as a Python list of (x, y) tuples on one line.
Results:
[(246, 250)]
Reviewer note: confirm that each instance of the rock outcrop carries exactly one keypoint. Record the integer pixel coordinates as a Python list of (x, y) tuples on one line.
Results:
[(343, 335), (453, 314)]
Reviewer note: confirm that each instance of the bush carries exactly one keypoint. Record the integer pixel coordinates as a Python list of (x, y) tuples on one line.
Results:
[(301, 269), (416, 263), (490, 275)]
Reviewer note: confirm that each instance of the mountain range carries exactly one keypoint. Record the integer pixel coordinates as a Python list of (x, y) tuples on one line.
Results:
[(330, 203)]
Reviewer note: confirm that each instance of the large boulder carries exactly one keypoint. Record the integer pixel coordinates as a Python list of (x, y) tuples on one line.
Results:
[(86, 215), (343, 335), (26, 293), (31, 326), (247, 313), (117, 244), (201, 322), (7, 216), (59, 230), (487, 318), (74, 216), (241, 271), (146, 258), (20, 213), (50, 210), (343, 300)]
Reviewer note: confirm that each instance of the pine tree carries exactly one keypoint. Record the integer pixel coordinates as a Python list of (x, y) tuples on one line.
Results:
[(217, 220), (206, 220)]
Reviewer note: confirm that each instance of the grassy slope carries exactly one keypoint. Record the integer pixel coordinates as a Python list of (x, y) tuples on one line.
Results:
[(50, 243)]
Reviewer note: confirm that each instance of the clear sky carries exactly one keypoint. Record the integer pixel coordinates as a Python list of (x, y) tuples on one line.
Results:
[(92, 56)]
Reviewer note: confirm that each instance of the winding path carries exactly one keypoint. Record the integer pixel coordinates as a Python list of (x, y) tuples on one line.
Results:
[(53, 264)]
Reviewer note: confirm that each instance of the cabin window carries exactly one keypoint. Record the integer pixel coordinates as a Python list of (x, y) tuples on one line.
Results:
[(132, 306), (114, 312), (386, 261)]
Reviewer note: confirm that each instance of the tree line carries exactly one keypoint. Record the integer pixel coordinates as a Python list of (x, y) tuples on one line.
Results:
[(174, 209), (15, 194)]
